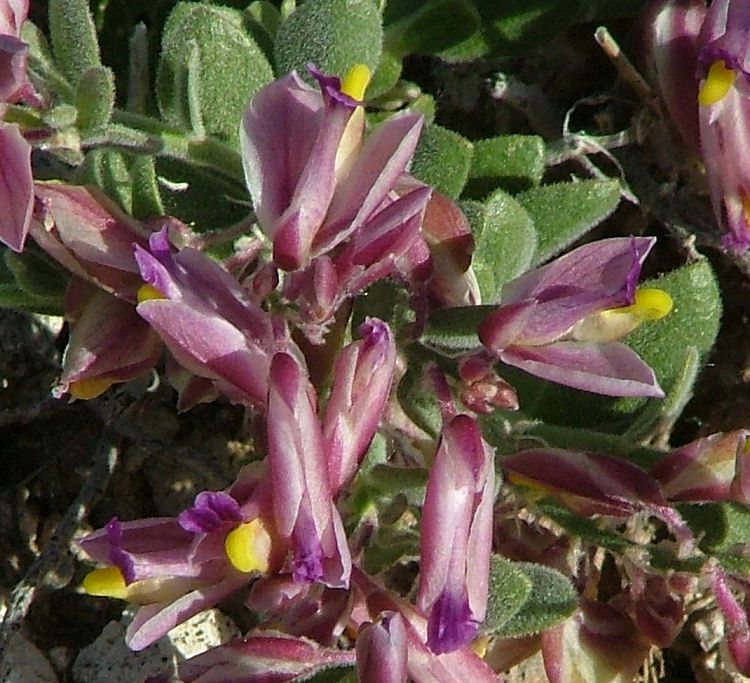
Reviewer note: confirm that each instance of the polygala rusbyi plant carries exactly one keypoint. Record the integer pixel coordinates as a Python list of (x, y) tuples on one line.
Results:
[(424, 489)]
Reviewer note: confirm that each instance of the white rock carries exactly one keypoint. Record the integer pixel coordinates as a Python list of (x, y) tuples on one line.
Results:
[(24, 662), (109, 660)]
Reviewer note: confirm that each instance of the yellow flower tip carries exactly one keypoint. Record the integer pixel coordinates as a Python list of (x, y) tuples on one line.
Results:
[(649, 304), (717, 84), (248, 547), (356, 81), (147, 292), (532, 485), (479, 645), (106, 582), (86, 389)]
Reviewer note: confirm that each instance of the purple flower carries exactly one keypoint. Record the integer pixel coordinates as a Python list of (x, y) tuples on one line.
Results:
[(16, 186), (263, 656), (736, 614), (588, 483), (702, 66), (90, 236), (361, 385), (423, 665), (14, 83), (672, 30), (175, 568), (561, 322), (109, 342), (304, 510), (312, 177), (456, 536), (595, 484), (714, 468), (724, 115), (598, 643), (210, 324), (382, 650)]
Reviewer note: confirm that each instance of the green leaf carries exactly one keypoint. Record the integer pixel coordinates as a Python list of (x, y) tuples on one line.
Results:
[(73, 37), (201, 198), (432, 27), (505, 241), (416, 395), (513, 26), (587, 529), (719, 526), (390, 547), (108, 170), (331, 674), (262, 20), (60, 117), (453, 331), (509, 589), (386, 75), (147, 201), (510, 162), (551, 600), (214, 85), (95, 98), (332, 34), (659, 557), (409, 481), (31, 281), (563, 212), (442, 159)]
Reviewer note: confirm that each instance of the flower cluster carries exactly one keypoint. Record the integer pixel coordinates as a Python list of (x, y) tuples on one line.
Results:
[(273, 327)]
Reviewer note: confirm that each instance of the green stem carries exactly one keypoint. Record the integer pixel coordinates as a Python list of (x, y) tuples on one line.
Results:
[(207, 152)]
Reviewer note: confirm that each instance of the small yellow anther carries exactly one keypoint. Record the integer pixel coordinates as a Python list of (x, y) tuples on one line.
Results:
[(148, 292), (86, 389), (717, 84), (105, 582), (242, 544), (649, 304), (479, 645), (356, 81)]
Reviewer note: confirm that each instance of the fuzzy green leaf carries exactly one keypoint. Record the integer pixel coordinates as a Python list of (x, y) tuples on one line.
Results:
[(331, 674), (108, 170), (509, 589), (263, 19), (95, 98), (386, 75), (332, 34), (31, 282), (719, 526), (416, 395), (563, 212), (510, 162), (453, 331), (442, 159), (551, 599), (409, 481), (73, 37), (434, 26), (201, 198), (231, 69), (505, 242), (389, 547), (147, 201)]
